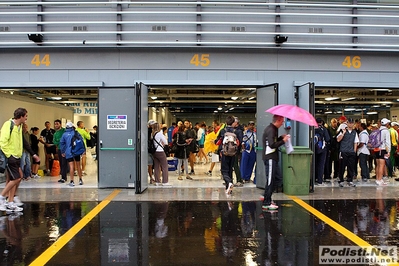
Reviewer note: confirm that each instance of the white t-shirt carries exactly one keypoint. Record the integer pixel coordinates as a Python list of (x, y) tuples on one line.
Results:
[(159, 138), (363, 138)]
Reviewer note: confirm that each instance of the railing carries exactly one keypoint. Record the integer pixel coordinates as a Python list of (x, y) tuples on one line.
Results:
[(241, 24)]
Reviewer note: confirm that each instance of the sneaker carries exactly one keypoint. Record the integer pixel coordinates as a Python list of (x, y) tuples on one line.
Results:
[(71, 184), (48, 172), (239, 184), (229, 189), (208, 173), (381, 183), (158, 184), (36, 176), (13, 215), (180, 177), (189, 177), (351, 184), (365, 181), (341, 184), (80, 182), (11, 207), (192, 172), (84, 173), (3, 205), (396, 179), (17, 201), (385, 178), (61, 181), (166, 184), (272, 206)]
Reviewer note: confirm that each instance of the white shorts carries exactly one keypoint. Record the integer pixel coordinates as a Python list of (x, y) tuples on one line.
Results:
[(215, 158)]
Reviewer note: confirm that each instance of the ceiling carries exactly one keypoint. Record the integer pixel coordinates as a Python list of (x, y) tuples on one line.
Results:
[(211, 99)]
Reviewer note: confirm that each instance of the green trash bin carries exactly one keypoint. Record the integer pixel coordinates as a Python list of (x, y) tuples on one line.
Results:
[(296, 168)]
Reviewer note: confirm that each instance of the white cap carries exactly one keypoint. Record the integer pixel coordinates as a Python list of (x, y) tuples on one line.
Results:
[(385, 121), (69, 125), (151, 122), (395, 124)]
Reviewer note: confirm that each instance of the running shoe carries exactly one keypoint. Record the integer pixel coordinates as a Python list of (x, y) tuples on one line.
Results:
[(272, 206)]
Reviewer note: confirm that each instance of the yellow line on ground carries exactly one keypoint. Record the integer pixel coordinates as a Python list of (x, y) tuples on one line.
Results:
[(354, 238), (65, 238), (345, 232)]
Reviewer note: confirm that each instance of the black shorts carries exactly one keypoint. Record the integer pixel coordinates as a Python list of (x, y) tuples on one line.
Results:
[(380, 154), (74, 159), (51, 150), (13, 167)]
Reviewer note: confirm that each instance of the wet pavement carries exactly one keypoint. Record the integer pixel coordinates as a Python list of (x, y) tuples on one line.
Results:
[(193, 233)]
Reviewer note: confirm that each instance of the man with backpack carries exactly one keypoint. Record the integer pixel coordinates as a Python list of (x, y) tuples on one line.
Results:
[(228, 148), (363, 152), (382, 148), (322, 137), (348, 139), (270, 157), (72, 147)]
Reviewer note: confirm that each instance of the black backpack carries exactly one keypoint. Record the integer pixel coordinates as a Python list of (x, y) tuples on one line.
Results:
[(151, 145)]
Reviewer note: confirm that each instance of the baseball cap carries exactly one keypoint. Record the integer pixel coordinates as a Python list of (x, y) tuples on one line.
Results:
[(151, 122), (350, 120), (342, 118), (69, 125), (395, 124), (385, 121), (251, 122)]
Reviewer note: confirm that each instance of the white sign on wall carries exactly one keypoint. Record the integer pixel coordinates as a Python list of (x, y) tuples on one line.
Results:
[(117, 122)]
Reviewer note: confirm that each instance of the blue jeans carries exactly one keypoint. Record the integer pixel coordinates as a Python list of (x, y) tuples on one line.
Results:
[(363, 159), (247, 164), (25, 164)]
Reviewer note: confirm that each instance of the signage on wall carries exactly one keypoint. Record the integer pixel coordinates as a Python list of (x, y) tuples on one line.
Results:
[(84, 108), (116, 122)]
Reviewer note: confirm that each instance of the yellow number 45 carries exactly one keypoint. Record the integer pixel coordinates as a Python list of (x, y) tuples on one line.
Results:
[(44, 61), (202, 60), (355, 62)]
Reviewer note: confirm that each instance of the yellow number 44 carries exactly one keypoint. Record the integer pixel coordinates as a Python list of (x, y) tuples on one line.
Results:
[(202, 60), (43, 61), (352, 62)]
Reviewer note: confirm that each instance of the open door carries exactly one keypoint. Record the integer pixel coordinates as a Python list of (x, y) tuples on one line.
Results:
[(116, 138), (267, 97), (142, 137), (304, 95)]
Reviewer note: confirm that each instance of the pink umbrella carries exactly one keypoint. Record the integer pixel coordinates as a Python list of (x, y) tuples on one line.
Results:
[(293, 112)]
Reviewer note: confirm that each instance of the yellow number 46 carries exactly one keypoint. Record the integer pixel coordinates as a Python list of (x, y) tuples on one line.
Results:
[(44, 61), (202, 60), (355, 62)]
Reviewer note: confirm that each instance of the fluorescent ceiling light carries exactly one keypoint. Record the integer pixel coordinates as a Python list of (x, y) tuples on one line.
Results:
[(39, 98), (254, 98), (220, 108), (349, 99), (375, 106), (339, 112), (57, 98), (388, 90), (234, 98), (215, 111), (154, 97), (372, 112), (328, 112), (232, 108), (331, 98), (349, 109)]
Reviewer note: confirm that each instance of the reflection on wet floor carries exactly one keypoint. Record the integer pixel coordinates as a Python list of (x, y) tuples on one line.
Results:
[(192, 233)]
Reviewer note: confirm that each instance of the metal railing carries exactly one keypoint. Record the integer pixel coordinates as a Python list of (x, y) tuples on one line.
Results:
[(241, 24)]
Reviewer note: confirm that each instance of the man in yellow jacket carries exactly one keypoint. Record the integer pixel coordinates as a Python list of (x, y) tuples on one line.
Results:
[(12, 144)]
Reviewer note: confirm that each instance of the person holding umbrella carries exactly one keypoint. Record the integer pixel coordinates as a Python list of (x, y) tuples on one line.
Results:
[(271, 158)]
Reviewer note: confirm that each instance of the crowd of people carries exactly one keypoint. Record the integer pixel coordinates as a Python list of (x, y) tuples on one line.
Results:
[(346, 145), (199, 143), (64, 146)]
